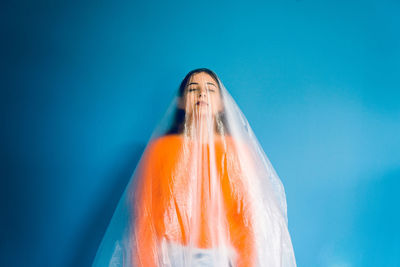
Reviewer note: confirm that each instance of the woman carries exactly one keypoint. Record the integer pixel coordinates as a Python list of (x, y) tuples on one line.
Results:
[(203, 194), (193, 202)]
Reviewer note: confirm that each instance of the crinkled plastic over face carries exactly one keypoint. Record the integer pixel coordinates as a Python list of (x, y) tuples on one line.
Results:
[(203, 194)]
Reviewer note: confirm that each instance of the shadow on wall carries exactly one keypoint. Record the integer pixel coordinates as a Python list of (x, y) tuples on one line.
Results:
[(21, 198), (94, 228)]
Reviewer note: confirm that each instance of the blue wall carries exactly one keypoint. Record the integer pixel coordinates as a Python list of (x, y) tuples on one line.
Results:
[(84, 84)]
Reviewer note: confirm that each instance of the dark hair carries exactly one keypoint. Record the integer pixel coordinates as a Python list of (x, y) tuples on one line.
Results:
[(179, 116)]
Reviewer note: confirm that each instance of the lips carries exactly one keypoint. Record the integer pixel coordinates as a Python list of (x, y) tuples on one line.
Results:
[(201, 103)]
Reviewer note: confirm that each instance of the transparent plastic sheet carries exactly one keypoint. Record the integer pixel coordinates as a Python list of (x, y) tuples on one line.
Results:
[(203, 193)]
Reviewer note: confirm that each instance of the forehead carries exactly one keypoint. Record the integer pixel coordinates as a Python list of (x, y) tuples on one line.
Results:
[(202, 77)]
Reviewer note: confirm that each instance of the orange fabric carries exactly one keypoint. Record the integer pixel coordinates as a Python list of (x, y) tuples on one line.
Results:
[(162, 208)]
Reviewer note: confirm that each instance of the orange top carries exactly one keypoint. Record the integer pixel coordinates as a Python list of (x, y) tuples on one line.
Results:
[(187, 195)]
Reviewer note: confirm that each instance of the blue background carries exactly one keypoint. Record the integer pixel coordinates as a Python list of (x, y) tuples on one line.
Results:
[(84, 84)]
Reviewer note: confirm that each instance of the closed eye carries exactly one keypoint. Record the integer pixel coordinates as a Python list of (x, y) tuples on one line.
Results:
[(195, 89)]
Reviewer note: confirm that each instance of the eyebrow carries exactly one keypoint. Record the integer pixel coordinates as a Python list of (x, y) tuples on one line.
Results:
[(207, 83)]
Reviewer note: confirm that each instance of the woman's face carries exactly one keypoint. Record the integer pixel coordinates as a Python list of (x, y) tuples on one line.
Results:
[(202, 95)]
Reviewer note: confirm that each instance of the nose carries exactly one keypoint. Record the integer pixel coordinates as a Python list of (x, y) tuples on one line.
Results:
[(203, 92)]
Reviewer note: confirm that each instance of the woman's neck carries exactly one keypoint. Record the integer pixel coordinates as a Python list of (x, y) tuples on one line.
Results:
[(202, 129)]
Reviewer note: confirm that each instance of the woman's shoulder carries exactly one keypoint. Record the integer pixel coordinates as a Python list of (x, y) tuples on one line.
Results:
[(229, 140), (170, 141), (168, 138), (165, 142)]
